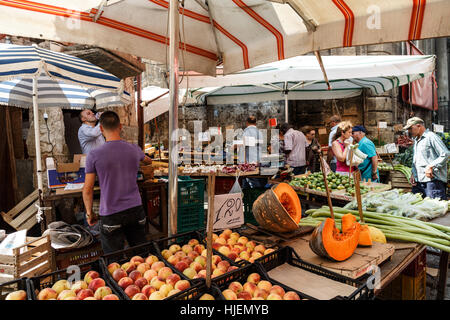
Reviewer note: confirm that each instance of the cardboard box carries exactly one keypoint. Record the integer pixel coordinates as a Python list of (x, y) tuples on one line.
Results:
[(62, 173)]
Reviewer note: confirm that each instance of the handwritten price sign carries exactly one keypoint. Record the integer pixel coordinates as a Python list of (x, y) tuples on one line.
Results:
[(228, 211)]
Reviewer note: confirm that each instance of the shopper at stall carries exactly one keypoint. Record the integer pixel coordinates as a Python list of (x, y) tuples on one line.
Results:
[(429, 167), (368, 167), (333, 122), (341, 145), (312, 149), (89, 134), (116, 165), (294, 148)]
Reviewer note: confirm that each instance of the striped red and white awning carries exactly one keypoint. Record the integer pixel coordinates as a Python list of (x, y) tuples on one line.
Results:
[(240, 33)]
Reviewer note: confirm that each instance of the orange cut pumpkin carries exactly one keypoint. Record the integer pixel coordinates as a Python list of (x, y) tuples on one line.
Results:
[(326, 240), (347, 221), (290, 201), (365, 240)]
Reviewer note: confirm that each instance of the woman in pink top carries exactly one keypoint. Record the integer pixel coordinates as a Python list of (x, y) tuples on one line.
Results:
[(340, 146)]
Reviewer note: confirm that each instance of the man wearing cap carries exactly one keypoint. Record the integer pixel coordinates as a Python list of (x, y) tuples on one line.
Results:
[(429, 168), (368, 167)]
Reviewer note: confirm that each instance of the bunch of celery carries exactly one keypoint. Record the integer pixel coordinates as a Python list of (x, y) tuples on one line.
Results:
[(393, 227)]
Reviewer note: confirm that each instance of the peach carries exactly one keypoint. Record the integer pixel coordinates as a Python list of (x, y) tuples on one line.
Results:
[(186, 248), (65, 294), (173, 279), (260, 293), (131, 290), (150, 274), (242, 240), (182, 285), (221, 241), (174, 248), (273, 296), (111, 297), (137, 260), (217, 272), (60, 286), (276, 289), (139, 296), (251, 244), (254, 277), (173, 260), (260, 248), (236, 250), (112, 267), (235, 236), (205, 252), (128, 267), (142, 267), (244, 295), (190, 273), (201, 260), (70, 298), (291, 295), (85, 293), (249, 287), (224, 250), (158, 265), (216, 259), (165, 289), (267, 251), (148, 290), (223, 265), (217, 246), (244, 255), (236, 287), (187, 260), (193, 242), (202, 274), (231, 242), (166, 253), (102, 292), (256, 255), (199, 248), (231, 268), (196, 266), (206, 296), (156, 283), (151, 259), (141, 282), (17, 295), (164, 272), (156, 296), (134, 275), (172, 292), (258, 298), (265, 285), (119, 274), (89, 276), (90, 298), (229, 294), (192, 255), (214, 237), (125, 282), (180, 255), (96, 283), (181, 266), (233, 256)]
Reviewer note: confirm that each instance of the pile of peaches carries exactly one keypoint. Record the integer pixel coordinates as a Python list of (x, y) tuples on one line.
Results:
[(92, 287), (147, 279), (190, 259), (237, 248), (257, 289)]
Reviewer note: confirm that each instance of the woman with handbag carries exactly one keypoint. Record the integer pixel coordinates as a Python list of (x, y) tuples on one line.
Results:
[(341, 147)]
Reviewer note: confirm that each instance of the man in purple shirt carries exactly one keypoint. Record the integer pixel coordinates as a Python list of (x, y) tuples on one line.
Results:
[(116, 164)]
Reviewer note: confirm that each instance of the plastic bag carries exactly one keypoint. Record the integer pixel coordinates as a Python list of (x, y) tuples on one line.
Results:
[(236, 186), (358, 156)]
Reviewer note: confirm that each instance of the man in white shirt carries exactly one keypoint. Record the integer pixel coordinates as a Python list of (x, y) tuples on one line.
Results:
[(89, 133), (294, 148)]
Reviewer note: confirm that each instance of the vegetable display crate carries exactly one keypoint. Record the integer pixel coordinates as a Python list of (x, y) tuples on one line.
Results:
[(35, 284), (183, 239), (196, 292), (190, 218), (191, 192), (30, 259), (67, 257), (285, 265), (143, 250), (241, 275), (14, 285), (250, 195), (399, 180)]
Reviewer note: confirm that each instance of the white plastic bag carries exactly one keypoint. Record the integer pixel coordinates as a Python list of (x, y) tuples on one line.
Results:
[(358, 156), (236, 186)]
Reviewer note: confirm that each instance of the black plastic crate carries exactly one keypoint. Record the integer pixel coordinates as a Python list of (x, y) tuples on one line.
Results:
[(142, 250), (288, 255), (242, 274), (183, 238), (195, 293), (13, 285), (38, 283)]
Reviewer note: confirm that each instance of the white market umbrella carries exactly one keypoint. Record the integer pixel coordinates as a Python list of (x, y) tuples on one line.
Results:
[(24, 70)]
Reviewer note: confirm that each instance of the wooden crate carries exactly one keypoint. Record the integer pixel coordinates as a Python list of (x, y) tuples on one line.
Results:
[(35, 259), (414, 288), (23, 215), (398, 180)]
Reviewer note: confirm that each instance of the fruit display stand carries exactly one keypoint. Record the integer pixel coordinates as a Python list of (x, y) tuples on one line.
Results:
[(14, 290), (69, 257), (129, 261), (89, 273), (28, 260), (200, 292), (236, 285)]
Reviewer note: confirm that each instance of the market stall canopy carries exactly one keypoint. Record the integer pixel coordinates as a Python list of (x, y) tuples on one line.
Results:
[(301, 78), (241, 34)]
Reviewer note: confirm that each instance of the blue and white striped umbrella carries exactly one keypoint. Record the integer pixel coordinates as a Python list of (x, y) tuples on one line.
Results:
[(53, 93)]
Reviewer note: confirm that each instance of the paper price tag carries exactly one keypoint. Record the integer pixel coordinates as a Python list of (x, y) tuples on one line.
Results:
[(391, 148), (382, 125), (228, 211), (322, 131), (438, 128)]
